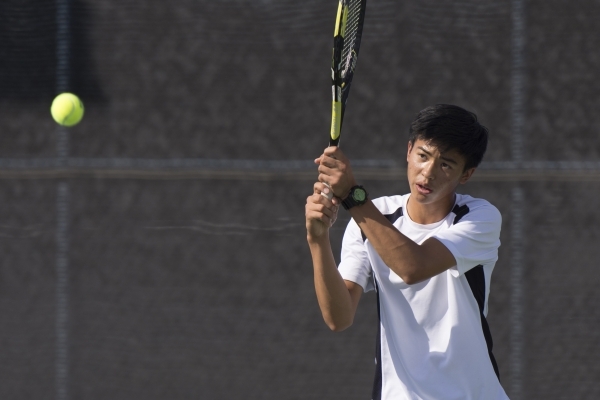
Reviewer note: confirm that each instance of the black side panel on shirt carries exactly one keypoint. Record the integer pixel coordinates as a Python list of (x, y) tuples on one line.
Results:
[(476, 279), (377, 383)]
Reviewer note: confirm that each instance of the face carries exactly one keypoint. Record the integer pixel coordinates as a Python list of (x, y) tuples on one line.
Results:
[(434, 176)]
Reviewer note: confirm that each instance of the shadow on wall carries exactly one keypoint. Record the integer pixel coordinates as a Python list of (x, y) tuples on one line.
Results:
[(28, 47)]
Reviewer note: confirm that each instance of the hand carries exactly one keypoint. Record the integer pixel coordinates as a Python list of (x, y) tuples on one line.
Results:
[(334, 169), (320, 212)]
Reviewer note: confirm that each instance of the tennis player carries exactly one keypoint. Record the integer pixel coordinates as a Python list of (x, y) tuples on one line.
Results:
[(429, 256)]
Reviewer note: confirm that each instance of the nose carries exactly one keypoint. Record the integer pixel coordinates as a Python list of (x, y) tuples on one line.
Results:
[(428, 170)]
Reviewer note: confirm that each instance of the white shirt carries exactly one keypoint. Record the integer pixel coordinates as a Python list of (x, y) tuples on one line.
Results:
[(432, 333)]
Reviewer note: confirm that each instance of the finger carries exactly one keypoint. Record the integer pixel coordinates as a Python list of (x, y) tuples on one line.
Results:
[(327, 192), (328, 182), (328, 176), (328, 161), (331, 151), (321, 187), (327, 215), (317, 201), (321, 219), (314, 200), (313, 214), (325, 170), (318, 204)]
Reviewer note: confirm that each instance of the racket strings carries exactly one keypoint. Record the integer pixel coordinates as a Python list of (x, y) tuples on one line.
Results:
[(352, 34)]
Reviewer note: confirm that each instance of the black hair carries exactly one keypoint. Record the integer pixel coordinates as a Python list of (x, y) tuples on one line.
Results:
[(451, 127)]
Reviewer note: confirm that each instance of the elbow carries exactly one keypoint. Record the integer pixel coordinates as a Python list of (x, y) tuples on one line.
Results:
[(410, 279), (410, 273), (338, 326)]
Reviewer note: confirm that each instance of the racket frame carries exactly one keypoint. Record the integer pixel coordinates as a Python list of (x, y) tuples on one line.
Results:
[(342, 70)]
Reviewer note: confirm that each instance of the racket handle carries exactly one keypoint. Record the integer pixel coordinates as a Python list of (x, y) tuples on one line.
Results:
[(328, 195), (336, 121)]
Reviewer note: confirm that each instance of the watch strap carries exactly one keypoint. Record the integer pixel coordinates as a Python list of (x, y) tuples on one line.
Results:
[(352, 201)]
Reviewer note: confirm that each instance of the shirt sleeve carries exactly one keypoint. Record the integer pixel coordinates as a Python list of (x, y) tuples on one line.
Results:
[(354, 264), (474, 240)]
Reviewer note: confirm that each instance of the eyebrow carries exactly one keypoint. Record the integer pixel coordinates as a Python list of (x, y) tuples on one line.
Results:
[(450, 160)]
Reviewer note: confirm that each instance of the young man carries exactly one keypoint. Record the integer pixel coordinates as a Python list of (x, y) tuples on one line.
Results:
[(428, 254)]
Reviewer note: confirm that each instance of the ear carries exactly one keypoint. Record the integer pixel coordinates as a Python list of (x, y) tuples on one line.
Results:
[(467, 175), (410, 145)]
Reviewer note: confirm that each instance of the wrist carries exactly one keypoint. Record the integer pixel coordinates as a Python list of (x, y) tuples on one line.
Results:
[(318, 240), (348, 191), (356, 197)]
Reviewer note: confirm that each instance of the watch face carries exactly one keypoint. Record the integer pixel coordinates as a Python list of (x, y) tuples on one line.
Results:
[(359, 194)]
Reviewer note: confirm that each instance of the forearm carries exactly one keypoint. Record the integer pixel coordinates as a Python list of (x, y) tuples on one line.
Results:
[(333, 296), (402, 255)]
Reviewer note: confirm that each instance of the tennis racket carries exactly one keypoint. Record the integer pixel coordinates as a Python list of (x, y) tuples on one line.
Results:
[(346, 43)]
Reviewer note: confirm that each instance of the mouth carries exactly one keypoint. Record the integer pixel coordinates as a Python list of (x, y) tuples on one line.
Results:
[(422, 189)]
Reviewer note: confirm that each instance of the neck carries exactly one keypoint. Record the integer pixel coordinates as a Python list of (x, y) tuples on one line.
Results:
[(430, 213)]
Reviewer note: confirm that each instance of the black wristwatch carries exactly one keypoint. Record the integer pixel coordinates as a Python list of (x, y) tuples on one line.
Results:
[(357, 197)]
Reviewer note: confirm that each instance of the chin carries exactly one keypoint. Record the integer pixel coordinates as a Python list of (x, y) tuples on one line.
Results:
[(421, 198)]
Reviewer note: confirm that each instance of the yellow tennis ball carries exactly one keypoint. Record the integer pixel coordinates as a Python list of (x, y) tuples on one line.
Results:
[(67, 109)]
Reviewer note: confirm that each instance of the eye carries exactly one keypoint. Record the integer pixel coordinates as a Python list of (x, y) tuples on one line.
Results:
[(422, 156), (446, 166)]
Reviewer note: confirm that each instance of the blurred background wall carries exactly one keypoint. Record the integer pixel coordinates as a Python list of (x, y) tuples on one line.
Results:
[(157, 249)]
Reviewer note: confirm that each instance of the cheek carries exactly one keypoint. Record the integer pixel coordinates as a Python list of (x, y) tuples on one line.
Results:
[(450, 184), (413, 166), (411, 172)]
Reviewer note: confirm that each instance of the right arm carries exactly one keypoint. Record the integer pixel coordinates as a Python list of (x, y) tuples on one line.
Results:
[(338, 298)]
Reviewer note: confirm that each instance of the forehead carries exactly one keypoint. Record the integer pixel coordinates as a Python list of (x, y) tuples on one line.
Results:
[(446, 154)]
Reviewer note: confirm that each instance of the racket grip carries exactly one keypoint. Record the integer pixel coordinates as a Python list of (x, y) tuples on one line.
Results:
[(336, 120), (327, 195)]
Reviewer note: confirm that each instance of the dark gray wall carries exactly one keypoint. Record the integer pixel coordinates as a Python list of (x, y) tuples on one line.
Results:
[(195, 282)]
